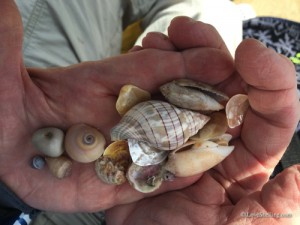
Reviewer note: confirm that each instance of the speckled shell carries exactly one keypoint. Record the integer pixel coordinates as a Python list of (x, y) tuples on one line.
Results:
[(160, 124)]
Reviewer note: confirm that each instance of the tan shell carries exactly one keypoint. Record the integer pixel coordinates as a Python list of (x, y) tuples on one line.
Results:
[(129, 96), (193, 95), (84, 143), (201, 157), (112, 166), (60, 167), (216, 126), (236, 109)]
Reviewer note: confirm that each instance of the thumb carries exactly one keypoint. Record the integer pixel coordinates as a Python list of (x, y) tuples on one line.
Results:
[(10, 31), (282, 194), (277, 202)]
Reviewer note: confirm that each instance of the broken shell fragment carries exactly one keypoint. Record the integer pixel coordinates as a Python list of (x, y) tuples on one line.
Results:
[(84, 143), (236, 109), (193, 95), (60, 167), (216, 126), (201, 157), (160, 124), (112, 166), (49, 141), (144, 155), (145, 179), (129, 96)]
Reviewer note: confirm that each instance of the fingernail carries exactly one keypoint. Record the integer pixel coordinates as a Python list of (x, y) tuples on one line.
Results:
[(261, 44)]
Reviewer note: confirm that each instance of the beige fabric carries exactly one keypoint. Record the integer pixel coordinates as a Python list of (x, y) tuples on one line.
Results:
[(63, 32)]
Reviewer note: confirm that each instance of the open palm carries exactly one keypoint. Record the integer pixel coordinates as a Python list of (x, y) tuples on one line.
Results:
[(84, 93)]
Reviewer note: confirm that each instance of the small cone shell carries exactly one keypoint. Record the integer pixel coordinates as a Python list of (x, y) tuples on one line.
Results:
[(129, 96), (199, 158), (60, 167), (236, 109)]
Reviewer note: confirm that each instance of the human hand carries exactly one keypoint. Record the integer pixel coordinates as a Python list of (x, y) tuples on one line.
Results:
[(238, 190), (84, 93)]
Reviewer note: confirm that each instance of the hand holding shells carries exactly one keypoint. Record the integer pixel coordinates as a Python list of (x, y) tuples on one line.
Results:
[(155, 140), (181, 137)]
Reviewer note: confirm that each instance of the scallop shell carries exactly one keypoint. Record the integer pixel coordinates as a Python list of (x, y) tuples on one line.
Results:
[(160, 124)]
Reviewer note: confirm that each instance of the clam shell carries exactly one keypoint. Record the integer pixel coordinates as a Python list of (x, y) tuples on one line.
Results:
[(160, 124), (193, 95), (144, 155)]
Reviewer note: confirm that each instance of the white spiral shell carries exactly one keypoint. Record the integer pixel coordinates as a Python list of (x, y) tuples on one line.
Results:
[(160, 124)]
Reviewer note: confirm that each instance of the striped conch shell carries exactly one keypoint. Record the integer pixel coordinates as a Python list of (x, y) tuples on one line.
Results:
[(160, 124)]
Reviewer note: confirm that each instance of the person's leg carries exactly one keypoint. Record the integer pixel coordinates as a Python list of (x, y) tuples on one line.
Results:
[(49, 218), (61, 33)]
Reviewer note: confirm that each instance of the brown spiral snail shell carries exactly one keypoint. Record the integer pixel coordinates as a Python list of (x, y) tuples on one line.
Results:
[(84, 143)]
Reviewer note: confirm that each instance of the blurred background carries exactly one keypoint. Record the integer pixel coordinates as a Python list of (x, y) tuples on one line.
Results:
[(287, 9)]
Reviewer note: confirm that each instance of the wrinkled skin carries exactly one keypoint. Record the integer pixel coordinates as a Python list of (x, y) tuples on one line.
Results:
[(239, 184), (34, 98)]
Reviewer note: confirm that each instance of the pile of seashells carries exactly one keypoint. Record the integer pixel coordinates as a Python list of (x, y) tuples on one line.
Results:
[(154, 141)]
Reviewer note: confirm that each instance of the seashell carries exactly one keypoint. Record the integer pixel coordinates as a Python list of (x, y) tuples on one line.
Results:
[(145, 179), (216, 126), (84, 143), (111, 167), (60, 167), (38, 162), (160, 124), (144, 155), (222, 140), (129, 96), (193, 95), (49, 141), (201, 157), (236, 109)]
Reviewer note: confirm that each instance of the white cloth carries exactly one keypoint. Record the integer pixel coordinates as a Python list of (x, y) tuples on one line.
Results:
[(64, 32)]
